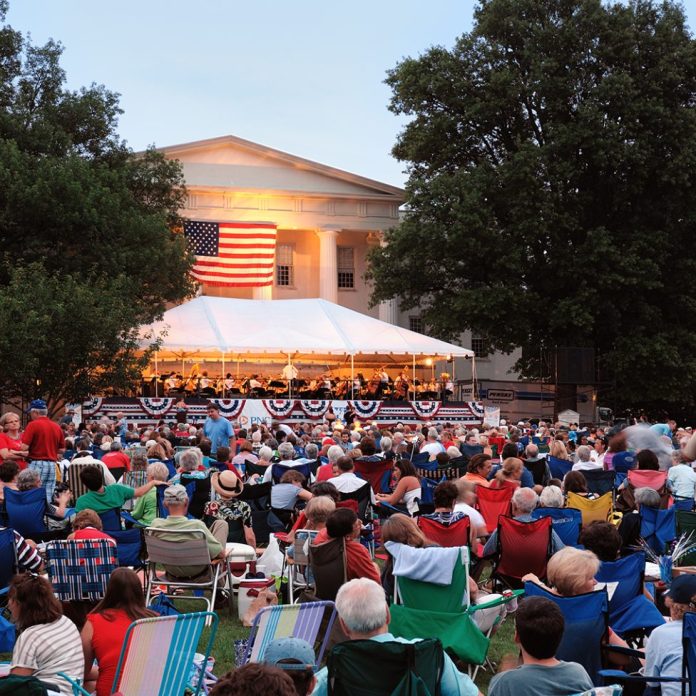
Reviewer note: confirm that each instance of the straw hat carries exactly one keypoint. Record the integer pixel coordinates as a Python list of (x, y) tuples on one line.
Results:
[(226, 484)]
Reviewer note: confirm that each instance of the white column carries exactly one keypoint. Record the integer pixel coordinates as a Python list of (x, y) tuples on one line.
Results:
[(263, 293), (328, 265)]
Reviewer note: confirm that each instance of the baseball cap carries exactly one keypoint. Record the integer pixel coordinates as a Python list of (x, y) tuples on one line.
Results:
[(38, 404), (682, 589), (176, 494), (327, 441), (296, 649)]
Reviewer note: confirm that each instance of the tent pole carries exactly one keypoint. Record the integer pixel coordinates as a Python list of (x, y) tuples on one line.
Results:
[(352, 376), (290, 381), (156, 377), (413, 377), (223, 377)]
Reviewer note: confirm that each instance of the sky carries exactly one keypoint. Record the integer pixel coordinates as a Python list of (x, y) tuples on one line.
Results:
[(305, 77)]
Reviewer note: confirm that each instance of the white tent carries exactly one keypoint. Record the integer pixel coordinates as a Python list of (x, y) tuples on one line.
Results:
[(277, 329)]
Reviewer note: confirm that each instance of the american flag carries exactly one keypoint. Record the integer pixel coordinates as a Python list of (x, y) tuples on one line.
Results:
[(232, 254)]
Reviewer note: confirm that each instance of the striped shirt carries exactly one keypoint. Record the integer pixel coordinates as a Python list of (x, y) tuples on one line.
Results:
[(27, 556), (49, 649)]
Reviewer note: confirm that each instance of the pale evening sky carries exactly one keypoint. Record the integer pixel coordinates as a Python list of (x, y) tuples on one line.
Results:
[(304, 77)]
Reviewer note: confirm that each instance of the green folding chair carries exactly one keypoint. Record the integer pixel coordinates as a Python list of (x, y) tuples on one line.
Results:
[(686, 524)]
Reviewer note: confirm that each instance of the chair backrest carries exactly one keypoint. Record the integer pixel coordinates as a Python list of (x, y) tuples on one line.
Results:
[(428, 487), (251, 468), (455, 534), (376, 472), (420, 458), (689, 643), (303, 539), (492, 503), (111, 520), (599, 481), (597, 509), (258, 495), (537, 470), (328, 563), (363, 498), (279, 469), (628, 573), (398, 669), (658, 527), (686, 524), (524, 547), (586, 617), (8, 557), (135, 479), (559, 467), (129, 546), (80, 569), (189, 552), (26, 511), (309, 621), (642, 478), (76, 486), (200, 491), (566, 522), (136, 450), (158, 654)]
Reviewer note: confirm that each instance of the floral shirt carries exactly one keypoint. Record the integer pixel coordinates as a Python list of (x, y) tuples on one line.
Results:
[(229, 510)]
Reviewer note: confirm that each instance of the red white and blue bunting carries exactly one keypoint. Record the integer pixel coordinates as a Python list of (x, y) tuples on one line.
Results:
[(366, 409), (229, 408), (156, 407), (425, 409), (279, 408), (91, 405), (315, 408), (477, 408)]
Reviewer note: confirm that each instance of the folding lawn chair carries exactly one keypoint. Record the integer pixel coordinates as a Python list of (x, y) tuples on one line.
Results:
[(647, 478), (566, 522), (278, 469), (658, 527), (328, 563), (492, 503), (157, 657), (599, 482), (559, 467), (598, 509), (298, 565), (376, 470), (310, 621), (523, 547), (8, 560), (26, 511), (455, 534), (686, 524)]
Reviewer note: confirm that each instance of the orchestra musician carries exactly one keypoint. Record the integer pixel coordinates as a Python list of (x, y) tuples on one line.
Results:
[(401, 386)]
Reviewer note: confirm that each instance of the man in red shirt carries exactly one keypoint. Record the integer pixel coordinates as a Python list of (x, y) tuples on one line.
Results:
[(45, 440), (115, 458)]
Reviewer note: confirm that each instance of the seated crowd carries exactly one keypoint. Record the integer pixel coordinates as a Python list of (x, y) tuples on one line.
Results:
[(354, 489)]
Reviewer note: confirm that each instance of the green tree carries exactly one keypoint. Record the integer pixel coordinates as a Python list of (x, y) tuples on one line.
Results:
[(90, 237), (551, 193)]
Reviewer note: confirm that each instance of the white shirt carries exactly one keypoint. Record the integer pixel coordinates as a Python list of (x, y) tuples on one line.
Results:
[(587, 466), (290, 372), (350, 482), (433, 449), (477, 521)]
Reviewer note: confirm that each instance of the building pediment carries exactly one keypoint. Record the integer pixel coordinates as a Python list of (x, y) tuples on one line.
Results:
[(233, 164)]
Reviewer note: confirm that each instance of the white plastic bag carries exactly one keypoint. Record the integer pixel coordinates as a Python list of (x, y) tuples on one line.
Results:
[(272, 558)]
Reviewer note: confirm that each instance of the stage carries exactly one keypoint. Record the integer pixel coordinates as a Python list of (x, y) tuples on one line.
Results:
[(150, 410)]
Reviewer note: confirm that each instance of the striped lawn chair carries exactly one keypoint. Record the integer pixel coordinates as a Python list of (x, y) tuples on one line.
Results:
[(158, 656), (311, 621), (80, 569)]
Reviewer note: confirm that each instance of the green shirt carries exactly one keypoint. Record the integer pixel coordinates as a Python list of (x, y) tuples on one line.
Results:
[(145, 508), (113, 497)]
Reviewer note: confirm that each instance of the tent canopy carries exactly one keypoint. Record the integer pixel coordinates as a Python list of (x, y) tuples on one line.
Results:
[(278, 329)]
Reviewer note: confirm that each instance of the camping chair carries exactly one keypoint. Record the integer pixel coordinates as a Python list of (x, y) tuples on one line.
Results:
[(377, 472), (200, 493), (559, 467), (158, 655), (455, 534), (523, 547), (686, 524), (566, 522), (250, 468), (77, 488), (688, 662), (80, 569), (328, 563), (492, 503), (657, 527), (647, 478), (258, 496), (8, 560), (598, 509), (631, 613), (298, 565), (420, 459), (363, 497), (599, 482), (189, 552), (539, 470), (585, 631), (278, 469), (310, 621), (369, 667), (26, 513)]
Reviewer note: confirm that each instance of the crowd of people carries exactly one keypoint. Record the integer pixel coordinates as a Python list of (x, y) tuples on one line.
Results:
[(309, 469)]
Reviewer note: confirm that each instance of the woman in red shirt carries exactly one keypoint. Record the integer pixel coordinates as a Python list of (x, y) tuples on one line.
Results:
[(105, 629), (88, 525), (11, 446)]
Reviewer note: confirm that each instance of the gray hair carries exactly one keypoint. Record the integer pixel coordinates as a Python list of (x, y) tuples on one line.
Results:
[(551, 497), (311, 450), (286, 451), (265, 453), (525, 500), (647, 496), (116, 446), (433, 434), (188, 460), (319, 508), (158, 471), (138, 460), (531, 450), (583, 453), (361, 606), (385, 444), (453, 452), (40, 411), (27, 479), (333, 453), (355, 436)]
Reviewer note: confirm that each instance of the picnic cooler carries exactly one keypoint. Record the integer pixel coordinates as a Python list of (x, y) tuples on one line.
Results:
[(242, 560), (249, 589)]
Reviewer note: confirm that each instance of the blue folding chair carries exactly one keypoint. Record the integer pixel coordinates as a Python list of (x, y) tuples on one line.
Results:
[(8, 559), (630, 611), (599, 482), (278, 469), (428, 487), (566, 522), (585, 631), (80, 569), (686, 504), (658, 527), (420, 459), (26, 511), (558, 467)]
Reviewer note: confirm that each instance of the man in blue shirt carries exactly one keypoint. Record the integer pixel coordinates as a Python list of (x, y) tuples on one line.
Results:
[(217, 429), (364, 615)]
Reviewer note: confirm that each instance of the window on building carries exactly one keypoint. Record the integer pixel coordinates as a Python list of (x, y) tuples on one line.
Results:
[(478, 346), (415, 323), (285, 265), (346, 268)]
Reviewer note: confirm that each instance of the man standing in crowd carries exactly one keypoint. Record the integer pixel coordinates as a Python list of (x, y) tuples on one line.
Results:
[(217, 429), (45, 440)]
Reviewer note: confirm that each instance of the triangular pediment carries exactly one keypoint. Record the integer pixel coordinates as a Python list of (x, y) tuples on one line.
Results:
[(235, 164)]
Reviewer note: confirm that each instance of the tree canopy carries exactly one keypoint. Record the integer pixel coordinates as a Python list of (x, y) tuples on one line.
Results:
[(90, 242), (551, 199)]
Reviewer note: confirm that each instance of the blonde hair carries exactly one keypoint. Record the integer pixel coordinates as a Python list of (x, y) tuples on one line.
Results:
[(404, 529), (510, 467), (319, 508), (570, 569), (558, 450)]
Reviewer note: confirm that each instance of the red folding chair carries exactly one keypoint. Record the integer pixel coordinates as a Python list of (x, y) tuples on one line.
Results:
[(492, 503), (375, 472), (647, 478), (523, 547), (455, 534)]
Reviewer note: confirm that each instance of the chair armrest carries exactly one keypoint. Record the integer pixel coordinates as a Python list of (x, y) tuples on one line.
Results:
[(76, 686), (613, 674)]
